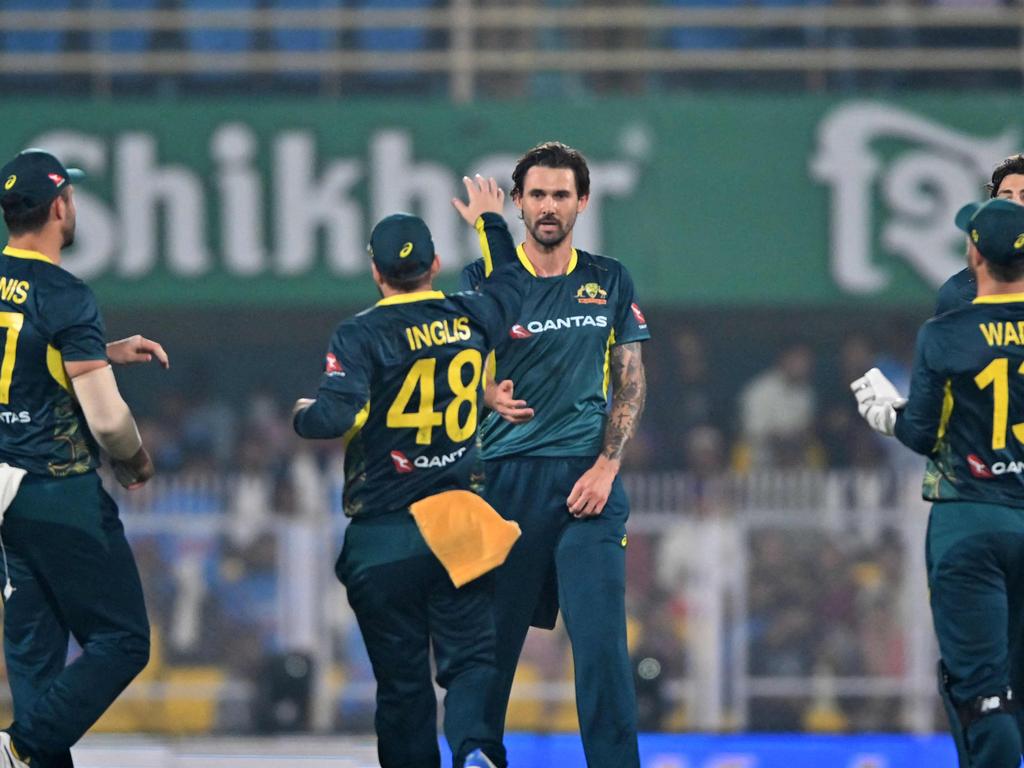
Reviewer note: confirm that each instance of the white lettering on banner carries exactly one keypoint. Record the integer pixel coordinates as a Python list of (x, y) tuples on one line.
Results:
[(921, 189), (142, 188), (305, 205), (160, 213), (426, 189), (233, 147)]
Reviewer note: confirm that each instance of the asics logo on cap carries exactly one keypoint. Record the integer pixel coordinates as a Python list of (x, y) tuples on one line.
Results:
[(406, 250), (11, 181)]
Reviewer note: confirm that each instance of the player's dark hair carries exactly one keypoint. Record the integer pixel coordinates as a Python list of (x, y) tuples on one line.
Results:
[(552, 154), (32, 219), (1006, 273), (409, 284), (1012, 164)]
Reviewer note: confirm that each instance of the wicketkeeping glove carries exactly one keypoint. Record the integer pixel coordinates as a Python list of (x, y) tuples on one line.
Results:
[(877, 401)]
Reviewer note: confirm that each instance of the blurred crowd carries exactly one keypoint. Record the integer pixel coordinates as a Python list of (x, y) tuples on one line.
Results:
[(247, 501)]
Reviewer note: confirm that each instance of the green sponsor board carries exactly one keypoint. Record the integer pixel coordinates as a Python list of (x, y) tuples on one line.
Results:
[(710, 201)]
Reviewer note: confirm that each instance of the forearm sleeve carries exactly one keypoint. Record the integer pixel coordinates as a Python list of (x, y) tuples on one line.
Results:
[(107, 414), (329, 416), (496, 242)]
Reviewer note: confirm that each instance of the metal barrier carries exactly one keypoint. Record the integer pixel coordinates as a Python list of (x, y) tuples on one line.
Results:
[(782, 602), (475, 40)]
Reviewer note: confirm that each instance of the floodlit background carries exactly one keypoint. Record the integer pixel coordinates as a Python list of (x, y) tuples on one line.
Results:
[(780, 178)]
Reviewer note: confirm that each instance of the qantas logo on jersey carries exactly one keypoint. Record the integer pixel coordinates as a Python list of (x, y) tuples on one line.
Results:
[(10, 417), (978, 468), (562, 323), (1008, 468), (332, 367), (435, 462), (402, 464)]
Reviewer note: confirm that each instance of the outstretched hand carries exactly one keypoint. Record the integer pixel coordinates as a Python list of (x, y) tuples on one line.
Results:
[(500, 397), (136, 349), (483, 195)]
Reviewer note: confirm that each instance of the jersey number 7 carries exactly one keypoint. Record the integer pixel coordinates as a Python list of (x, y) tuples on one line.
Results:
[(421, 378), (12, 321)]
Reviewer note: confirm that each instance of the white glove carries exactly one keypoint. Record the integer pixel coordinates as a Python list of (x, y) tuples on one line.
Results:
[(877, 401)]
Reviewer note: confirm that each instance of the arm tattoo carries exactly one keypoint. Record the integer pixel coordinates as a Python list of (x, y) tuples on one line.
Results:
[(629, 390)]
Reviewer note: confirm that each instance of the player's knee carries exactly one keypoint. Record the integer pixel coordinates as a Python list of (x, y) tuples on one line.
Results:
[(994, 741), (131, 650), (136, 653)]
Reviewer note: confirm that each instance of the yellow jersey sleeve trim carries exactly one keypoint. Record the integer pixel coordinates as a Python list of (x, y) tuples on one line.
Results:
[(409, 298), (528, 265), (55, 365), (485, 247), (490, 369), (947, 411), (360, 421), (21, 253), (999, 298), (608, 362)]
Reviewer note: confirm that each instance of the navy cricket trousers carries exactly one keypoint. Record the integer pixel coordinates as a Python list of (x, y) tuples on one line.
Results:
[(577, 566), (73, 574)]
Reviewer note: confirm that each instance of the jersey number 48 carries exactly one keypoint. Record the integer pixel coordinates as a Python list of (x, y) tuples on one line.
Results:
[(421, 378)]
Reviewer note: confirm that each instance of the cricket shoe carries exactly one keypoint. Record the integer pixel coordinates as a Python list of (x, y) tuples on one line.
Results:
[(477, 759), (9, 758)]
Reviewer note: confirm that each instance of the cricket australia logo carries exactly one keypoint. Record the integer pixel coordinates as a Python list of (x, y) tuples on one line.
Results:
[(915, 174), (591, 293)]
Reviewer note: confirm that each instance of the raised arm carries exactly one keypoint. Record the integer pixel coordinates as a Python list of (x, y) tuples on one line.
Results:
[(482, 210)]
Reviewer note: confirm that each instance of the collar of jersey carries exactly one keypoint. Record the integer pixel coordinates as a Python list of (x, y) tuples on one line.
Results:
[(408, 298), (999, 298), (528, 265), (21, 253)]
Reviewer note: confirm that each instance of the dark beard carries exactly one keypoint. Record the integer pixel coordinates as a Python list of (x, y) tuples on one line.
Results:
[(550, 240)]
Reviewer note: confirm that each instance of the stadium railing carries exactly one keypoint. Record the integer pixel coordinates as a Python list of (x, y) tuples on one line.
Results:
[(811, 40), (784, 601)]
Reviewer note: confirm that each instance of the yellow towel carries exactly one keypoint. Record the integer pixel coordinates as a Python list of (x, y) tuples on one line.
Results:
[(465, 533)]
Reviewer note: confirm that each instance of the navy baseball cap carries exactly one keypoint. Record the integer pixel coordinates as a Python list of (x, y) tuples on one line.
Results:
[(401, 246), (996, 227), (33, 178)]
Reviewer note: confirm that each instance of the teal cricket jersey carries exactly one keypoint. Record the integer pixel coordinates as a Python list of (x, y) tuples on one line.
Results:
[(957, 291), (966, 404), (47, 316), (557, 351), (402, 387)]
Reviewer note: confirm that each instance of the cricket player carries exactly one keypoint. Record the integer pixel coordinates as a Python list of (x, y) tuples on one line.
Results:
[(1008, 183), (67, 565), (965, 412), (552, 446), (402, 386)]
